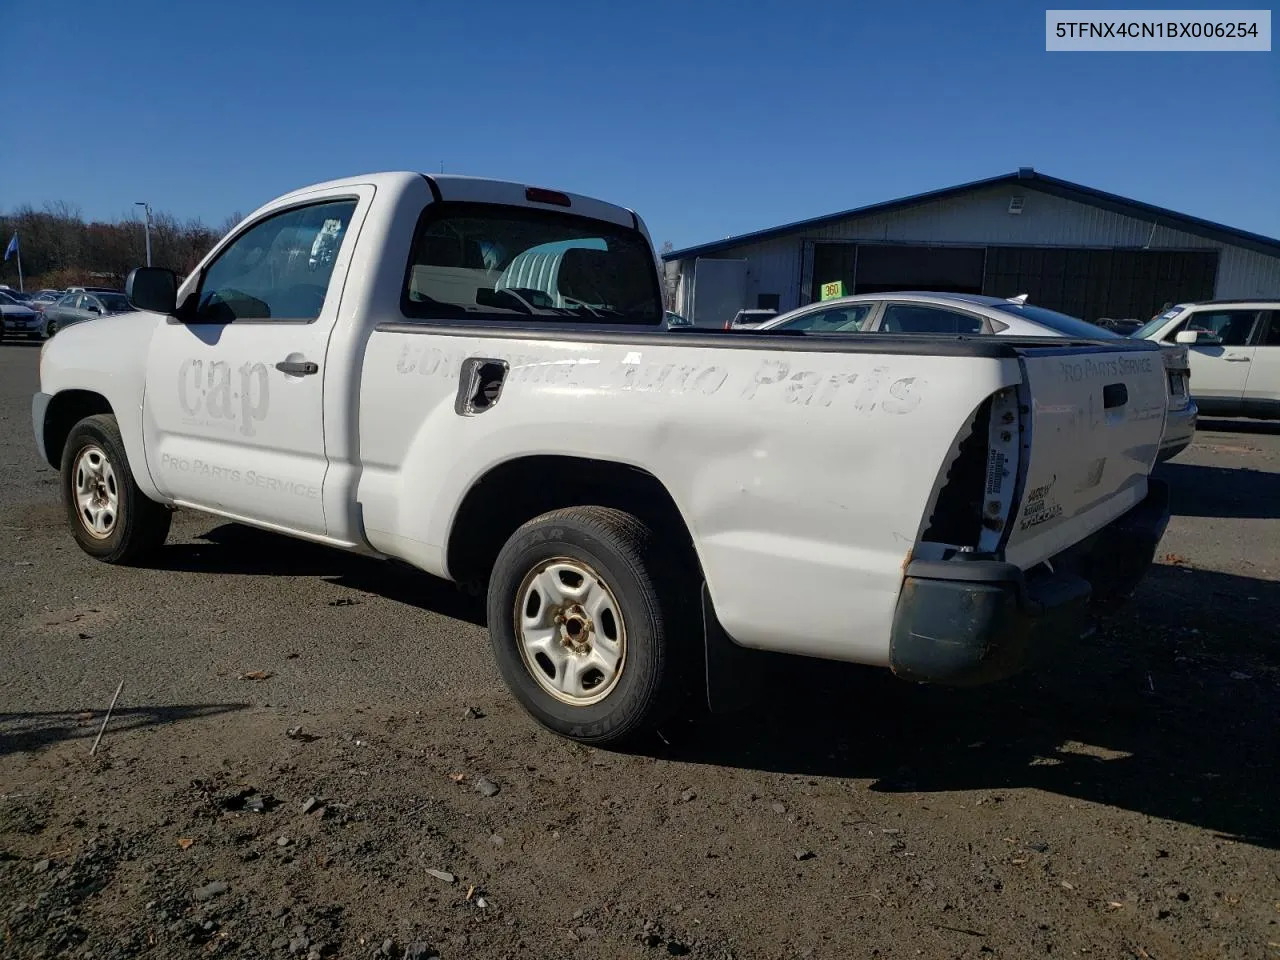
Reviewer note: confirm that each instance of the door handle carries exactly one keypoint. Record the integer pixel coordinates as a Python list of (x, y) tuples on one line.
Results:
[(298, 368), (1232, 358), (480, 385), (1114, 395)]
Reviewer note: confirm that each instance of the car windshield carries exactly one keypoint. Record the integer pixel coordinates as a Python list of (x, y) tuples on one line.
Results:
[(114, 302), (506, 262), (1155, 323), (7, 300), (1062, 323)]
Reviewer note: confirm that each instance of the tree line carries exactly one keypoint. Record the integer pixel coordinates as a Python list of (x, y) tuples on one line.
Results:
[(60, 248)]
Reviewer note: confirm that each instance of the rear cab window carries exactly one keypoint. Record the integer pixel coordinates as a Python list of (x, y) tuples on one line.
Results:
[(495, 262)]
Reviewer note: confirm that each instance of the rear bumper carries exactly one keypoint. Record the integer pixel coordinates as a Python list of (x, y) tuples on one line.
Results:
[(1179, 431), (965, 623)]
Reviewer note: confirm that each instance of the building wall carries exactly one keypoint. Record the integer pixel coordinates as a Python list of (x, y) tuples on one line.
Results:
[(981, 218)]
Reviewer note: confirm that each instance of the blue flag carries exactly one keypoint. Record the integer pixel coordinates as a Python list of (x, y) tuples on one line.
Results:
[(12, 248)]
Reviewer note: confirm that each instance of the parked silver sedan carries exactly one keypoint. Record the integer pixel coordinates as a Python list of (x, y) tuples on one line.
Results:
[(78, 307), (962, 314)]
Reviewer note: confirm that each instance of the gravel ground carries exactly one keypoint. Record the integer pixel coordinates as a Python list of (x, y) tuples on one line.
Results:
[(377, 792)]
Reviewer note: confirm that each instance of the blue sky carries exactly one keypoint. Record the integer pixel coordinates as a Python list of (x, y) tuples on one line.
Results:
[(709, 118)]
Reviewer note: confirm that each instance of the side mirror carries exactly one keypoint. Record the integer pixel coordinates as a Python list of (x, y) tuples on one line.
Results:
[(1187, 336), (152, 288)]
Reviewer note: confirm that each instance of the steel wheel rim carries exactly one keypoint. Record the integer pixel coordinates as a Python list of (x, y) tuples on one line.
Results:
[(96, 492), (570, 631)]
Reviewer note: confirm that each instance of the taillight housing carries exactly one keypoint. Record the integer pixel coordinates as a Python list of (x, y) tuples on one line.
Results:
[(976, 491)]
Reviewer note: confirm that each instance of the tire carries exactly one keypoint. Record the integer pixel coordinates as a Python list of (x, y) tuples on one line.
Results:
[(50, 329), (631, 611), (98, 482)]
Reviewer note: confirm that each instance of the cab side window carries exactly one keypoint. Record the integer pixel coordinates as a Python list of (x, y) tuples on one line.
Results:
[(279, 268), (910, 318), (837, 320), (1273, 331), (1227, 328)]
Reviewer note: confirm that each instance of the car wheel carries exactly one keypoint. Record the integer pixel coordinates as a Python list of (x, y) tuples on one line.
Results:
[(111, 519), (50, 329), (584, 614)]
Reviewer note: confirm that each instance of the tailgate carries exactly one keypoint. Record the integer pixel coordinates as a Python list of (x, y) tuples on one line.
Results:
[(1093, 425)]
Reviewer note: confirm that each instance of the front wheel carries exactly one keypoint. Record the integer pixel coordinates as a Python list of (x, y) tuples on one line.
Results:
[(50, 329), (111, 519), (584, 616)]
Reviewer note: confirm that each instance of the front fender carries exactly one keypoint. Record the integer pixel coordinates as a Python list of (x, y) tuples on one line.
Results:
[(106, 356)]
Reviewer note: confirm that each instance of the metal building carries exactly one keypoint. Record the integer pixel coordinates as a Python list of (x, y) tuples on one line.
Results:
[(1068, 247)]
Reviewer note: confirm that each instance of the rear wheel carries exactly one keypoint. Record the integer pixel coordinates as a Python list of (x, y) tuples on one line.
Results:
[(111, 519), (585, 618)]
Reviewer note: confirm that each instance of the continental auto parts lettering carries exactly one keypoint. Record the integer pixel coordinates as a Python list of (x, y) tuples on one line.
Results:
[(211, 394), (252, 478), (774, 379)]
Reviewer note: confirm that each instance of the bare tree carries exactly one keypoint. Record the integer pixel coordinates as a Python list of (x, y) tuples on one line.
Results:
[(59, 248)]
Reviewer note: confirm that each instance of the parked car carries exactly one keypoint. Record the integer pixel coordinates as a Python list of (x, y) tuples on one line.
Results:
[(1234, 348), (750, 319), (78, 307), (1122, 327), (960, 314), (45, 298), (642, 506), (92, 290), (20, 320)]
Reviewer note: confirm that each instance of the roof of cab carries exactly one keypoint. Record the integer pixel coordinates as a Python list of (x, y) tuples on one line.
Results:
[(457, 187)]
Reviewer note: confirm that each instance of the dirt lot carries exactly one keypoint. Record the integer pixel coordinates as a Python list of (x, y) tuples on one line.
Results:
[(1123, 803)]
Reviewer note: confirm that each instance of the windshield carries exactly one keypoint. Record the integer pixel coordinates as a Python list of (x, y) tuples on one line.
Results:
[(114, 303), (1064, 324), (508, 262), (1156, 322), (7, 300)]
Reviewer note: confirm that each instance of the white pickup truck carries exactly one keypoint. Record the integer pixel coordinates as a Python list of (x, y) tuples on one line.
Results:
[(474, 377)]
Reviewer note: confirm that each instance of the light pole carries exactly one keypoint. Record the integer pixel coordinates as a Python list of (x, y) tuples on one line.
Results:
[(146, 225)]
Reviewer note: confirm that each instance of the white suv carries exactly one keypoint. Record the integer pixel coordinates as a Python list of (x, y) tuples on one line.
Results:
[(1234, 349)]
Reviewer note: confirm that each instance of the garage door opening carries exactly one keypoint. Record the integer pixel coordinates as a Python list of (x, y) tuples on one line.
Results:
[(877, 268)]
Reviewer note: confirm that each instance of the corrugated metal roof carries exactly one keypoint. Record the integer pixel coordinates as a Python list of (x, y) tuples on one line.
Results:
[(1025, 177)]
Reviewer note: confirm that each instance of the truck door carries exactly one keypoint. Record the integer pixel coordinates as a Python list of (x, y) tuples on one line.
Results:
[(233, 412), (1221, 360)]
